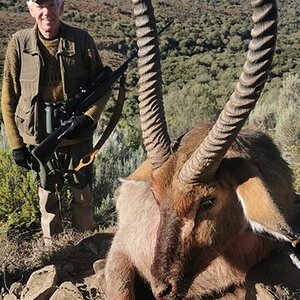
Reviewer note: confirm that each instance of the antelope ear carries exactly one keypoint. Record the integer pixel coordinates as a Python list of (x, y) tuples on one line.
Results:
[(259, 207)]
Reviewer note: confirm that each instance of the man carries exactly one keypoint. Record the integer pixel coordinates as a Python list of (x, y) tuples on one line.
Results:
[(50, 63)]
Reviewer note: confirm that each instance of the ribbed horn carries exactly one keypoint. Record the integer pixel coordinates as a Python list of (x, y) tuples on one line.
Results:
[(203, 163), (152, 116)]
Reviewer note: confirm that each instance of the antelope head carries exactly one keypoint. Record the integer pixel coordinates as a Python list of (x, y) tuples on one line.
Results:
[(206, 191)]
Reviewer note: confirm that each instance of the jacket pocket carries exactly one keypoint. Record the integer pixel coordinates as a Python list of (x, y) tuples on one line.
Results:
[(30, 67), (25, 119)]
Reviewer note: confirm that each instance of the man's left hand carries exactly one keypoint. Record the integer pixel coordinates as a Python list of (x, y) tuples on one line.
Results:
[(22, 157)]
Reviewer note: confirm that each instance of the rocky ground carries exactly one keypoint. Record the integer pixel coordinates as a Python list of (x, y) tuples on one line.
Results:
[(67, 275)]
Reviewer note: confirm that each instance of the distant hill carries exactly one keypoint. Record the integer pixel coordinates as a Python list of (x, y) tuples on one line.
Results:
[(111, 24)]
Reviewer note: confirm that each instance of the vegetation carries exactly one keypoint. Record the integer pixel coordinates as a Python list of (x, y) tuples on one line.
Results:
[(278, 116), (202, 56), (18, 201)]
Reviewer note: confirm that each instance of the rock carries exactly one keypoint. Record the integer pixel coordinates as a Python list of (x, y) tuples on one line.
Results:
[(94, 288), (16, 289), (67, 291), (73, 273), (99, 267), (10, 297), (41, 284)]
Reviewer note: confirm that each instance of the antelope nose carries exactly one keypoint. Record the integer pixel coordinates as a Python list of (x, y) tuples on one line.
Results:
[(162, 290)]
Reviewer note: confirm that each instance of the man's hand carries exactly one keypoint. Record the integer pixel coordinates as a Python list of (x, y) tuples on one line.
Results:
[(22, 157), (78, 126)]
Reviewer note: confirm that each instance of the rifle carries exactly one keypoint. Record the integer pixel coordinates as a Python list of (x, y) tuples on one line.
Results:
[(78, 105)]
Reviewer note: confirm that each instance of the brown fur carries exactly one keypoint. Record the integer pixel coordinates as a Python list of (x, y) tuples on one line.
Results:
[(197, 238)]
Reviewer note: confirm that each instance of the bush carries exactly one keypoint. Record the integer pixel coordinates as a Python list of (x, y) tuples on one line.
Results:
[(113, 162), (287, 131), (187, 106), (278, 114), (19, 200), (294, 158)]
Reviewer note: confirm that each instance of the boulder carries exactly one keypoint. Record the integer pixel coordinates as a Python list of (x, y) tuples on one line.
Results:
[(41, 284), (66, 291)]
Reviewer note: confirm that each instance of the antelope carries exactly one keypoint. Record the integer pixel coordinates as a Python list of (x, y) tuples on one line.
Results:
[(196, 216)]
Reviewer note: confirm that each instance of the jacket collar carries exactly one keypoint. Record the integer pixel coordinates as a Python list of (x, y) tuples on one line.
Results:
[(65, 47), (30, 45)]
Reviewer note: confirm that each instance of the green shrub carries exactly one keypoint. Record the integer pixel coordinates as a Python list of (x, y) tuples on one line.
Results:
[(18, 195), (278, 114), (114, 161), (294, 158), (265, 113), (187, 106), (287, 130)]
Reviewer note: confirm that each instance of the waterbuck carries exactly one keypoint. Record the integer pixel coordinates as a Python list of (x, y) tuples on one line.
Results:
[(193, 219)]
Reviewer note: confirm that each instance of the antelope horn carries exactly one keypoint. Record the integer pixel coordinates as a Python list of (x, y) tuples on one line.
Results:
[(203, 163), (152, 116)]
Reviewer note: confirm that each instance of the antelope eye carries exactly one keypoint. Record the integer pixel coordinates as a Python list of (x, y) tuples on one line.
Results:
[(207, 203)]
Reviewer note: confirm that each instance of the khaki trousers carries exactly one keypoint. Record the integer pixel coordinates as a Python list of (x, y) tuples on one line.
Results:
[(81, 209), (51, 181)]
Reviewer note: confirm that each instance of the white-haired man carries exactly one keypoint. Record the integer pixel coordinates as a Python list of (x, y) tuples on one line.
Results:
[(49, 63)]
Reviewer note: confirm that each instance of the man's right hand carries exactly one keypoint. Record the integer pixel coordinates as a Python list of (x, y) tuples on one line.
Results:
[(79, 125), (22, 157)]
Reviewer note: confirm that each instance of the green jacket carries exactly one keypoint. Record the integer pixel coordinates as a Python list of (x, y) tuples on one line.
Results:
[(76, 73)]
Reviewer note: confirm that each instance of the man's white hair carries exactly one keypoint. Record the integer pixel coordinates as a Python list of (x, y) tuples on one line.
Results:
[(58, 2)]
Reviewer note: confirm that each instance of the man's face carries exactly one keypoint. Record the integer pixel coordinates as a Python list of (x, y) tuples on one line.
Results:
[(47, 14)]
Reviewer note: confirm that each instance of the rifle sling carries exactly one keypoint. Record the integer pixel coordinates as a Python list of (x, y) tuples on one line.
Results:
[(90, 157)]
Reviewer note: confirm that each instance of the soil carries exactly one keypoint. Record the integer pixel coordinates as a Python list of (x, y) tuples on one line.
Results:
[(74, 263)]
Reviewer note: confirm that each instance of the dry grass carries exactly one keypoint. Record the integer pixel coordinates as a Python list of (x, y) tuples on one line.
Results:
[(72, 253)]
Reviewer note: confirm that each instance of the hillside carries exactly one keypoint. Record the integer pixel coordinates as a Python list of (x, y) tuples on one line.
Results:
[(211, 24), (204, 46)]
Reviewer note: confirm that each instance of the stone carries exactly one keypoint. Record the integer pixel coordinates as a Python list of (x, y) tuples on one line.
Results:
[(16, 289), (41, 284), (66, 291), (10, 297)]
